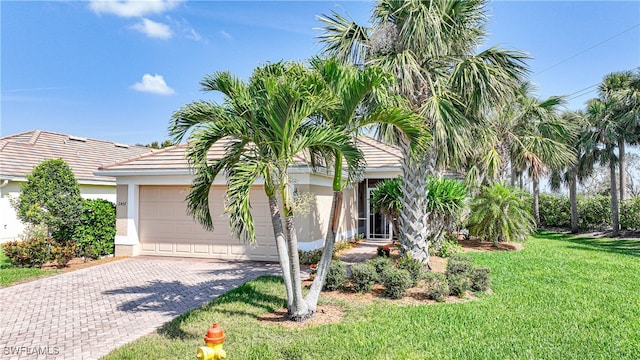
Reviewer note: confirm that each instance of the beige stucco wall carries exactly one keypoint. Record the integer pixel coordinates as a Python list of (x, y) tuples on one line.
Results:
[(313, 226)]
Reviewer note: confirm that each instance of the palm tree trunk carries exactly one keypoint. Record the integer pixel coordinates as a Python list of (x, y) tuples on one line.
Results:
[(414, 228), (327, 252), (330, 240), (521, 181), (622, 169), (536, 198), (573, 198), (614, 198), (281, 246), (299, 309)]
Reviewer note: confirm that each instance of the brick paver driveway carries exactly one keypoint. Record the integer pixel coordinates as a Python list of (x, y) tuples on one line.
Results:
[(86, 313)]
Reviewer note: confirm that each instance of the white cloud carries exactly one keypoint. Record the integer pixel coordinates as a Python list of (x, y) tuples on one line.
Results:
[(193, 35), (153, 29), (225, 35), (132, 8), (153, 84)]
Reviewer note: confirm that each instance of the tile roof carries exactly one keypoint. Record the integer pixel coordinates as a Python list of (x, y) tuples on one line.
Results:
[(20, 153), (172, 159)]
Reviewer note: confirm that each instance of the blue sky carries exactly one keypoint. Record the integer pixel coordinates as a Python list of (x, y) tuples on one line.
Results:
[(117, 70)]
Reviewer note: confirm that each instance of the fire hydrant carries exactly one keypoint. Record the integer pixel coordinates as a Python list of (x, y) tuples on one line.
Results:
[(213, 349)]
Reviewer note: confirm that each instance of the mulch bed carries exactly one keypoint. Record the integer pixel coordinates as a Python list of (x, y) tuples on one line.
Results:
[(330, 313)]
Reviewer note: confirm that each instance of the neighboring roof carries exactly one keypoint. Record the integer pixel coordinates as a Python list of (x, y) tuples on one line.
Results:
[(20, 153), (172, 160)]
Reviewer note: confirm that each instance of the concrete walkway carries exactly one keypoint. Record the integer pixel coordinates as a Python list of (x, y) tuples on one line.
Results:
[(86, 313), (363, 252)]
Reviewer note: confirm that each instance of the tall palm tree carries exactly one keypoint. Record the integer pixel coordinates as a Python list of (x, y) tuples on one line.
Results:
[(585, 151), (605, 128), (622, 91), (430, 47), (268, 122), (528, 135), (352, 88)]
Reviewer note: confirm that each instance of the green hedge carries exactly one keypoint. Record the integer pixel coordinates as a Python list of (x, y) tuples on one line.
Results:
[(630, 214), (555, 211), (593, 212), (94, 235)]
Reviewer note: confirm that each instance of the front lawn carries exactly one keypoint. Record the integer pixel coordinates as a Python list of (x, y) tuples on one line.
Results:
[(10, 275), (559, 298)]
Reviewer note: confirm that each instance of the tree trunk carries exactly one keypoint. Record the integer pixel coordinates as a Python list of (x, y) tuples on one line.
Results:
[(573, 198), (536, 198), (622, 168), (281, 246), (521, 181), (327, 252), (299, 309), (414, 229), (614, 198)]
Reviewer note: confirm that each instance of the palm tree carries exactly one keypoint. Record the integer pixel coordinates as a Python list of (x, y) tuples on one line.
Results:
[(498, 214), (622, 91), (599, 113), (352, 87), (268, 122), (429, 46), (585, 151)]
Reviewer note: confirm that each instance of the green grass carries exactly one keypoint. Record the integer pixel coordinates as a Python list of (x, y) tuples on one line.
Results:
[(10, 275), (559, 298)]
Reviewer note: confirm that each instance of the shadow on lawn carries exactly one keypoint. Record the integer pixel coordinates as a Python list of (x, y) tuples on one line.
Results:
[(232, 303), (617, 246)]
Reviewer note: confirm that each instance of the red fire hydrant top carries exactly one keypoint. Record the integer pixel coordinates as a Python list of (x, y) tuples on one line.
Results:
[(215, 335)]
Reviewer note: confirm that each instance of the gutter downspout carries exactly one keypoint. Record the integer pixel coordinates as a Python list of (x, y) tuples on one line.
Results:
[(4, 183)]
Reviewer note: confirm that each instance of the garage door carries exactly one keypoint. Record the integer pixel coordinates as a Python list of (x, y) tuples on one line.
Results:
[(165, 229)]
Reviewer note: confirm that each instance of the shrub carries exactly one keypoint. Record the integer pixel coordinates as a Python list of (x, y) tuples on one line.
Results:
[(480, 278), (381, 264), (335, 276), (499, 214), (51, 196), (594, 212), (437, 286), (448, 247), (341, 245), (363, 276), (458, 284), (555, 211), (33, 252), (460, 265), (94, 235), (396, 283), (62, 253), (630, 214), (414, 267), (309, 257)]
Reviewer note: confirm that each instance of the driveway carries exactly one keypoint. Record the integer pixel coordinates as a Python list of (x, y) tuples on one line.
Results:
[(86, 313)]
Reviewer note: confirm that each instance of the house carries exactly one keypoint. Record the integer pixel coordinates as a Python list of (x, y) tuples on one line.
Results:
[(20, 153), (152, 215)]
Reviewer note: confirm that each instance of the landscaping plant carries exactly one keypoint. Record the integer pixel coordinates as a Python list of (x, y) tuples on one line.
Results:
[(363, 276), (436, 286), (396, 282), (498, 214), (335, 276)]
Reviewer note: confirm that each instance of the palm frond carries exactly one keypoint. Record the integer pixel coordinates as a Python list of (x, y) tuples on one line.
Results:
[(343, 38)]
